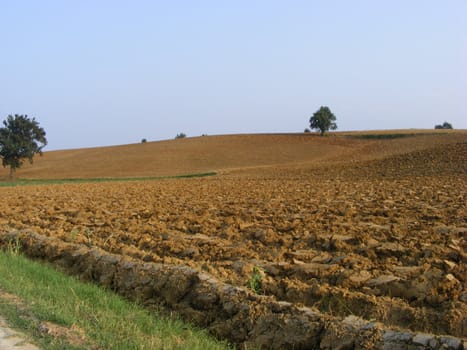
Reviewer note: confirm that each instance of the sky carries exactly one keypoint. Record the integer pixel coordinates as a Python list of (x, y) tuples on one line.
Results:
[(109, 72)]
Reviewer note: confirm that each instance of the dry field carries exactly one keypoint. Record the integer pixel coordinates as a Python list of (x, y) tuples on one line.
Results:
[(370, 227), (226, 154)]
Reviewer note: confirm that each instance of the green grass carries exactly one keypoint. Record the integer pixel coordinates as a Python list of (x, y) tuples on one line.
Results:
[(255, 283), (108, 321), (27, 182), (389, 136), (381, 136)]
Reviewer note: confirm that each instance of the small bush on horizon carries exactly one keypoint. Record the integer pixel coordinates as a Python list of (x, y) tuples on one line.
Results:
[(144, 140), (180, 136), (445, 125)]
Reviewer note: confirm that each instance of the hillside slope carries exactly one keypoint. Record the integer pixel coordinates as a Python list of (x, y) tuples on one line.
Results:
[(226, 153)]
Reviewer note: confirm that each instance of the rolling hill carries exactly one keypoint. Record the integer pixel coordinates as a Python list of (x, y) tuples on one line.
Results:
[(229, 153)]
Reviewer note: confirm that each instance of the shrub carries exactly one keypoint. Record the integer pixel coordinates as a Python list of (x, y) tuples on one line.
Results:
[(255, 283), (445, 125)]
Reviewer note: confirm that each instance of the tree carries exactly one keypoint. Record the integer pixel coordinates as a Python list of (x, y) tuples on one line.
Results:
[(445, 125), (20, 138), (323, 120), (180, 135)]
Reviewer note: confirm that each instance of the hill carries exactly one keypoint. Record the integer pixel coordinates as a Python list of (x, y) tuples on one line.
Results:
[(227, 153)]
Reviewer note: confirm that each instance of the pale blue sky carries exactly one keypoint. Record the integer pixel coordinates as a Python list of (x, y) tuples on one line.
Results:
[(96, 72)]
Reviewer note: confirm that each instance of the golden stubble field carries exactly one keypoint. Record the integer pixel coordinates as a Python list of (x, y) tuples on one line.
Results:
[(380, 234)]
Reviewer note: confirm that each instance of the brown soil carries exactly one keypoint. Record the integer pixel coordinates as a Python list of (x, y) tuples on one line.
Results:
[(373, 228), (224, 154)]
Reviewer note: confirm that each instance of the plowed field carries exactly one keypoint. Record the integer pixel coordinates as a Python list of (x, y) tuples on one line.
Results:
[(382, 237)]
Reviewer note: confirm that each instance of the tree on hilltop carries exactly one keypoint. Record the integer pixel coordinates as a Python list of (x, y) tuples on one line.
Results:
[(20, 138), (323, 120)]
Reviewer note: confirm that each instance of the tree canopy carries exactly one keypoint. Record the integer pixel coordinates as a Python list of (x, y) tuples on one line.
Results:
[(323, 120), (20, 138), (445, 125)]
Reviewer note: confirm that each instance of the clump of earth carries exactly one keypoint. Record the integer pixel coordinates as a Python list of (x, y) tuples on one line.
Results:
[(381, 239)]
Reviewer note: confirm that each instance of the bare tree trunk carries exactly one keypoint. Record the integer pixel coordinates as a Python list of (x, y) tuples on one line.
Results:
[(12, 173)]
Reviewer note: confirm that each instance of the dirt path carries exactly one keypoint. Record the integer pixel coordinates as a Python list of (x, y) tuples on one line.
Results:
[(11, 339)]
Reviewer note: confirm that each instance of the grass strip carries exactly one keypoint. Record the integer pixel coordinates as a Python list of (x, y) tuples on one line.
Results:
[(28, 182), (389, 136), (380, 136), (107, 320)]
